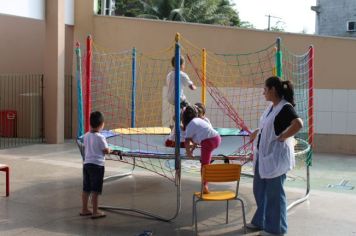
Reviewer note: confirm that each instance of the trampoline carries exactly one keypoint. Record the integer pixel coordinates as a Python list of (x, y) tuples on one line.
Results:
[(127, 86), (144, 147), (152, 145)]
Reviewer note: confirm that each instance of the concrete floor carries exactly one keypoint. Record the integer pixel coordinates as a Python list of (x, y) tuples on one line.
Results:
[(46, 186)]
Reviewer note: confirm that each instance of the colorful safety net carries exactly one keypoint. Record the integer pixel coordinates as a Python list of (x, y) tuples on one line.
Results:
[(129, 87)]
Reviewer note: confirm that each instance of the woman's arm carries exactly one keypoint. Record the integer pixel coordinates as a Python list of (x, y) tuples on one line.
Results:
[(295, 126), (253, 135)]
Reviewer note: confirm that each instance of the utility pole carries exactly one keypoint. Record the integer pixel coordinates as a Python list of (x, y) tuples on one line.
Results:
[(269, 20)]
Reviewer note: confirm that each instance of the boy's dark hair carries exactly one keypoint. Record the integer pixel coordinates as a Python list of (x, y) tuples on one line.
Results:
[(201, 108), (284, 89), (189, 114), (96, 119), (181, 61)]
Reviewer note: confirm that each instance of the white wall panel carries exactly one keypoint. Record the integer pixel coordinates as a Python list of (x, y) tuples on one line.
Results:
[(338, 122), (323, 99), (25, 8), (339, 100), (323, 122), (69, 12)]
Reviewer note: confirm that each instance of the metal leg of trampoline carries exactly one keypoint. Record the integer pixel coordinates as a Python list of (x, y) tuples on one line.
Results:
[(120, 175), (149, 214), (306, 196), (298, 201)]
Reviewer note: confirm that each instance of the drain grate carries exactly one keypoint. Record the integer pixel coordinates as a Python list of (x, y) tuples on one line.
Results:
[(342, 185)]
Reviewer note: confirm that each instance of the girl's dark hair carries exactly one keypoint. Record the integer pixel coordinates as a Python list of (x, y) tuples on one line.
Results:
[(96, 119), (201, 108), (189, 114), (284, 89), (181, 61)]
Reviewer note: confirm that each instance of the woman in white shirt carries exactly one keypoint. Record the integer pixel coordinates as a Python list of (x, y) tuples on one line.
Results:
[(274, 157)]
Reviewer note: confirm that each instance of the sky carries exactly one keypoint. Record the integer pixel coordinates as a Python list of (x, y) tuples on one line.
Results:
[(293, 15)]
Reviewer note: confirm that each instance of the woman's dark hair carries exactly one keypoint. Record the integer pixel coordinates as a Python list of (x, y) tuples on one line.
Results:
[(181, 61), (201, 108), (284, 89), (189, 114), (96, 119)]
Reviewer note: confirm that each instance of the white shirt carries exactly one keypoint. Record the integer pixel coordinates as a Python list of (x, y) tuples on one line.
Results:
[(207, 120), (94, 144), (172, 135), (199, 130), (275, 158), (184, 81)]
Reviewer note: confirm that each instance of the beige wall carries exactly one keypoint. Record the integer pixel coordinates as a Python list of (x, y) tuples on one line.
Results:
[(22, 45), (334, 57), (22, 42)]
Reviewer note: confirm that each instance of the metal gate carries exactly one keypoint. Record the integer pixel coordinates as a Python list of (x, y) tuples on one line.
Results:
[(21, 109)]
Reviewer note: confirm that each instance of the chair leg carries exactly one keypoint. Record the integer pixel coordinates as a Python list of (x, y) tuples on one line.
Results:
[(193, 211), (7, 181), (196, 218), (6, 169), (227, 211), (243, 214)]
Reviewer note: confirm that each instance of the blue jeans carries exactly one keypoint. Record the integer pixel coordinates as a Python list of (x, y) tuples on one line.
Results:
[(271, 213)]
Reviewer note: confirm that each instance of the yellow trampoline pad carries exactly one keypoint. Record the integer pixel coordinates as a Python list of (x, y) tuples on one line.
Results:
[(143, 130)]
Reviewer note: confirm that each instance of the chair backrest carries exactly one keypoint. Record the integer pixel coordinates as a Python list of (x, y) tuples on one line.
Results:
[(221, 172)]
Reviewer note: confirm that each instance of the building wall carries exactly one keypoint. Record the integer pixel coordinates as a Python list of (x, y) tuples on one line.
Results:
[(34, 9), (21, 45), (333, 16), (22, 42)]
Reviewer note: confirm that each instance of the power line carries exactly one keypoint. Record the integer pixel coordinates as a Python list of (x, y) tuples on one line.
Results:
[(269, 20)]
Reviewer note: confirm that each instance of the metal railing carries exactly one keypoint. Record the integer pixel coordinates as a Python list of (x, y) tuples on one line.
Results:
[(21, 109)]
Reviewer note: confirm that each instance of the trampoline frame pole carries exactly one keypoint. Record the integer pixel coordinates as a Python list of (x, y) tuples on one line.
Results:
[(279, 58), (203, 82), (133, 92), (88, 83), (78, 75), (310, 127), (311, 97), (177, 102)]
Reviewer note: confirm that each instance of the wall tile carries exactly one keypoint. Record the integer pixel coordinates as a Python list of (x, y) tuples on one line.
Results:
[(323, 100), (340, 100), (351, 123), (351, 100), (338, 122), (323, 122)]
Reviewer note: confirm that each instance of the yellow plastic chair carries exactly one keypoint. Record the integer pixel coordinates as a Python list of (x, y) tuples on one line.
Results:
[(219, 173)]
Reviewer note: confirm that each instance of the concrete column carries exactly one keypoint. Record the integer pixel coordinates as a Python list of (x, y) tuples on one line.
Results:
[(54, 72)]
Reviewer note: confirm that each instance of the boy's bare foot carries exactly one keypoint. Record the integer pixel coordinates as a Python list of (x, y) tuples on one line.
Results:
[(85, 213), (98, 215)]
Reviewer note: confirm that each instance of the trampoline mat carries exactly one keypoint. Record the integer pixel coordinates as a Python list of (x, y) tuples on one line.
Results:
[(153, 144)]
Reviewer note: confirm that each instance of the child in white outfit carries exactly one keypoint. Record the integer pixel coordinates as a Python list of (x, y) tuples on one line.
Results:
[(184, 82), (95, 147), (199, 132)]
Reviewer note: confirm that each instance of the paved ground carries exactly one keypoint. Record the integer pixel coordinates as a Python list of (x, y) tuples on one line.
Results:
[(46, 187)]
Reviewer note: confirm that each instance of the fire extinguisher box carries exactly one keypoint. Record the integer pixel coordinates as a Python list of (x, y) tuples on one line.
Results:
[(8, 123)]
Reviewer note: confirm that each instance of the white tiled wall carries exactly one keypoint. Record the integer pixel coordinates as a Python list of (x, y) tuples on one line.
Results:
[(351, 95), (335, 111)]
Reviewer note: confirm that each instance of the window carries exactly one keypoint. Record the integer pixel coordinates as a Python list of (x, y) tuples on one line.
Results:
[(351, 26)]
